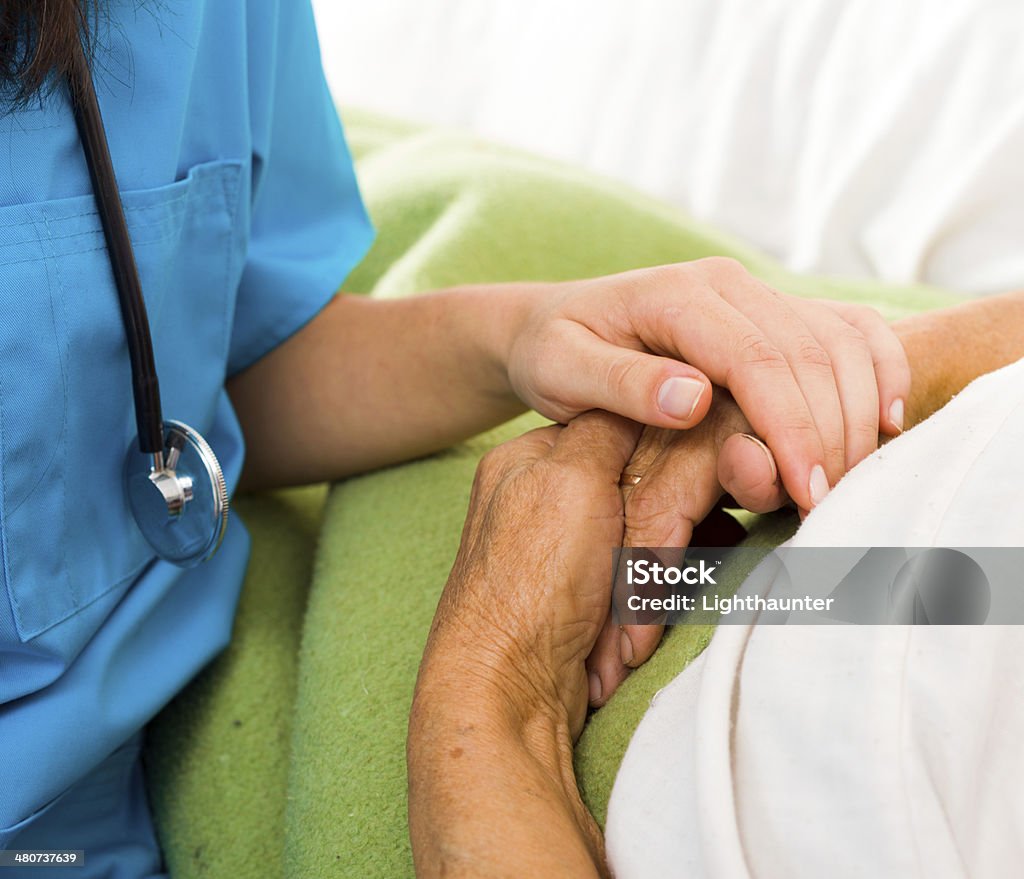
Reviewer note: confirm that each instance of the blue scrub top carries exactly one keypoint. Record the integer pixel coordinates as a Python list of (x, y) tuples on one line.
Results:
[(245, 217)]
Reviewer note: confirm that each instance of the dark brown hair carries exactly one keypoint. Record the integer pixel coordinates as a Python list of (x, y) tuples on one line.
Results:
[(36, 41)]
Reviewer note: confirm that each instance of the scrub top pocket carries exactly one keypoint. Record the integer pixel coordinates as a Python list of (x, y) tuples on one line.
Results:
[(67, 415)]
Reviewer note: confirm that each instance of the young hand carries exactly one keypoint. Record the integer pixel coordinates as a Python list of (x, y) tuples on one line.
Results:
[(817, 381)]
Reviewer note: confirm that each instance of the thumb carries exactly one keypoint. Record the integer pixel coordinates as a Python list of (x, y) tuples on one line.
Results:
[(747, 471), (653, 390)]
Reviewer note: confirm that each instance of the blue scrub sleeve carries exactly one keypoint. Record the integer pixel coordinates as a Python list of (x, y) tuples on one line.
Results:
[(308, 227)]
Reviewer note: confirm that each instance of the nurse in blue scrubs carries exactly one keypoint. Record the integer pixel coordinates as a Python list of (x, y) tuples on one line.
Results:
[(245, 217)]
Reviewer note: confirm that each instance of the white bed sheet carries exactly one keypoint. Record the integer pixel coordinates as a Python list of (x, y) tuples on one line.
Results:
[(875, 751)]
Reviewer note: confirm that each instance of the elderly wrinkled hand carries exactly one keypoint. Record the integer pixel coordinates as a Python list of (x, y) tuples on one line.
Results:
[(671, 486), (502, 690), (530, 588)]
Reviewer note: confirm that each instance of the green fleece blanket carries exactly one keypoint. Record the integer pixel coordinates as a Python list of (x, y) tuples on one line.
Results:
[(286, 756)]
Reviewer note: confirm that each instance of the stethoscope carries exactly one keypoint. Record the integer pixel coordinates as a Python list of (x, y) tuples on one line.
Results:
[(173, 481)]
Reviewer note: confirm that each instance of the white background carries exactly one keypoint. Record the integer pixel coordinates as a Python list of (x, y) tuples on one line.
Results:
[(852, 137)]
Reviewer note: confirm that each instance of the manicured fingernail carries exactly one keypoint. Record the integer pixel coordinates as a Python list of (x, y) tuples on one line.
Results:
[(625, 648), (595, 687), (767, 454), (818, 484), (678, 397), (896, 414)]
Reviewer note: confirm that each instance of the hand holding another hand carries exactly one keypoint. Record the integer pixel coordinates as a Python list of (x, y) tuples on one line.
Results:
[(523, 637), (530, 588), (503, 687), (818, 381), (673, 488)]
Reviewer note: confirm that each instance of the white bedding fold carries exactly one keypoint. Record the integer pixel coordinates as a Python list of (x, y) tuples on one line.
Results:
[(876, 751)]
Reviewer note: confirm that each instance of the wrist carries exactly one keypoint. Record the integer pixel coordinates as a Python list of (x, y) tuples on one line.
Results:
[(488, 748), (481, 675), (499, 316), (483, 671), (460, 714), (949, 348), (923, 337)]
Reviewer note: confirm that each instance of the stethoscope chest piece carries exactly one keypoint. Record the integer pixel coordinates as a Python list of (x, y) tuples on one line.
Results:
[(179, 497), (173, 481)]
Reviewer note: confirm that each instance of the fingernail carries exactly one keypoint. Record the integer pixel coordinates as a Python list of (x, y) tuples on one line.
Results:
[(595, 687), (896, 413), (767, 454), (818, 484), (678, 397), (626, 648)]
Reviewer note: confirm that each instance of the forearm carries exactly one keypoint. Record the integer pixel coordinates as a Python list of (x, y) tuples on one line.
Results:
[(950, 348), (491, 785), (372, 382)]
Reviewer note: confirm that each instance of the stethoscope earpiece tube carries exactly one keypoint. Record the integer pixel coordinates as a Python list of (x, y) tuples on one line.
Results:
[(148, 414), (175, 488)]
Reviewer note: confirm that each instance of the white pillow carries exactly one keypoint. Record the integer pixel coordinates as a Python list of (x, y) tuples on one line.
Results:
[(855, 137)]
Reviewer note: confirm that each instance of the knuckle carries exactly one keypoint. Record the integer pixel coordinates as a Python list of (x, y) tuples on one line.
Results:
[(864, 427), (484, 485), (494, 464), (834, 449), (798, 428), (492, 459), (484, 482), (668, 276), (870, 323), (756, 350), (809, 352), (623, 376), (723, 265), (651, 518), (750, 486), (852, 337), (866, 314), (895, 360)]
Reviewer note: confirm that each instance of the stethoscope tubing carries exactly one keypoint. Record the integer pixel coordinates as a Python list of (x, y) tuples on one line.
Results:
[(179, 498), (145, 386)]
